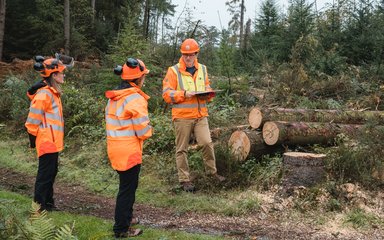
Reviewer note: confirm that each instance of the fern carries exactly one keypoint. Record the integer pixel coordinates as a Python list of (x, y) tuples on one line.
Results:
[(65, 233), (41, 227)]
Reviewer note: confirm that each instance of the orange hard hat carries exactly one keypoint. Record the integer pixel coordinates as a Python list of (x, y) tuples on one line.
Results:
[(132, 69), (189, 46), (48, 66)]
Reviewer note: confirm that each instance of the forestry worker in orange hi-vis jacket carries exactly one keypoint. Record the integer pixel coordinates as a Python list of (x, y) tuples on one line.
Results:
[(45, 126), (127, 124), (189, 110)]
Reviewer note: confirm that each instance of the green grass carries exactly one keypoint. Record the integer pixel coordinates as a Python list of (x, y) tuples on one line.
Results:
[(90, 169), (85, 227), (361, 219)]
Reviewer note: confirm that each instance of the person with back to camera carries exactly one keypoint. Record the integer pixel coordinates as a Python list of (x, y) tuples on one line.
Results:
[(45, 126), (189, 110), (127, 125)]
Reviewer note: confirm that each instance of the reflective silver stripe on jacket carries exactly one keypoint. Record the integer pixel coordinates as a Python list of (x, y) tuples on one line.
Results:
[(193, 105), (128, 133), (204, 72), (121, 133), (143, 131), (120, 110), (36, 110), (179, 79), (53, 116), (125, 122), (54, 127), (172, 93), (33, 121), (166, 89)]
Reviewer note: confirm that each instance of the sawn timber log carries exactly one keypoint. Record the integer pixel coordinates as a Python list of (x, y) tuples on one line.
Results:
[(245, 143), (304, 133), (258, 116)]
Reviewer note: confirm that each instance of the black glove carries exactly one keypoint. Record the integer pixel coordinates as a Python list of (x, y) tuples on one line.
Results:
[(36, 86), (32, 141)]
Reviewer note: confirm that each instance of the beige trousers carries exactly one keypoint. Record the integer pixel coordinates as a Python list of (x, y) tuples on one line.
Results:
[(200, 128)]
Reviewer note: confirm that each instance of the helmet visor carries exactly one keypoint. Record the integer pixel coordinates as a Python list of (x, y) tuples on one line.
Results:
[(66, 60)]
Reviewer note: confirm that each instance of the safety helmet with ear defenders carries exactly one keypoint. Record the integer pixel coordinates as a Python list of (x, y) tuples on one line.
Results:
[(132, 69), (48, 66)]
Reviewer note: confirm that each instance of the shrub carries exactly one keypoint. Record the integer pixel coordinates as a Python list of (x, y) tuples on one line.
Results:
[(163, 139), (13, 102), (83, 114), (356, 160)]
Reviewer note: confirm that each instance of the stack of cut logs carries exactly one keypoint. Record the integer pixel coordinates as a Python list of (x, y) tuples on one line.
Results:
[(271, 128)]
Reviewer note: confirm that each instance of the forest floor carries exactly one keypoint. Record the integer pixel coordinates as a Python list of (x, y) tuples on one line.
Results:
[(76, 199)]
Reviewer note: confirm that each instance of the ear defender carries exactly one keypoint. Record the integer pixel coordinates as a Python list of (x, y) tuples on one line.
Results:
[(118, 70), (133, 63), (39, 58), (38, 65)]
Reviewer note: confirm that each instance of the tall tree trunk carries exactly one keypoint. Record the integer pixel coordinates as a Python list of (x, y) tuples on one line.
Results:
[(162, 28), (247, 34), (147, 10), (67, 27), (157, 27), (93, 6), (242, 10), (2, 25)]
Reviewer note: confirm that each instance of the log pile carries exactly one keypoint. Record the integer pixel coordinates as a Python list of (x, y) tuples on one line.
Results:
[(271, 128)]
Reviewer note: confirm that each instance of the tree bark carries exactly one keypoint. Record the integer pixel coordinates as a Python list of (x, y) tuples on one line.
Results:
[(67, 27), (219, 133), (302, 169), (2, 25), (93, 6), (258, 116), (242, 11), (147, 10), (247, 143), (304, 133)]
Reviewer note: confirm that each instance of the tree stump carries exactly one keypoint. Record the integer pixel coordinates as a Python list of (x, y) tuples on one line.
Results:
[(302, 169)]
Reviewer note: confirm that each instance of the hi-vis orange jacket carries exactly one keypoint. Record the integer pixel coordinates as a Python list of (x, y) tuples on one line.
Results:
[(45, 121), (127, 125), (177, 81)]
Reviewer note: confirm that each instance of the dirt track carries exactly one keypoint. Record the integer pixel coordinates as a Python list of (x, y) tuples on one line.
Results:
[(76, 199)]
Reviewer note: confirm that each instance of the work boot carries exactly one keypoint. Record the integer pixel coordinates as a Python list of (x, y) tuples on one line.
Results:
[(188, 186), (132, 232), (218, 177), (51, 207)]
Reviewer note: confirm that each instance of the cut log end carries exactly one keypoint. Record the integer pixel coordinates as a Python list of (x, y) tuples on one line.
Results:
[(255, 118), (304, 155), (240, 145), (270, 133)]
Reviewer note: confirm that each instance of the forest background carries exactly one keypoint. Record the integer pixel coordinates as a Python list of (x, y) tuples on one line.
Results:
[(302, 58)]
